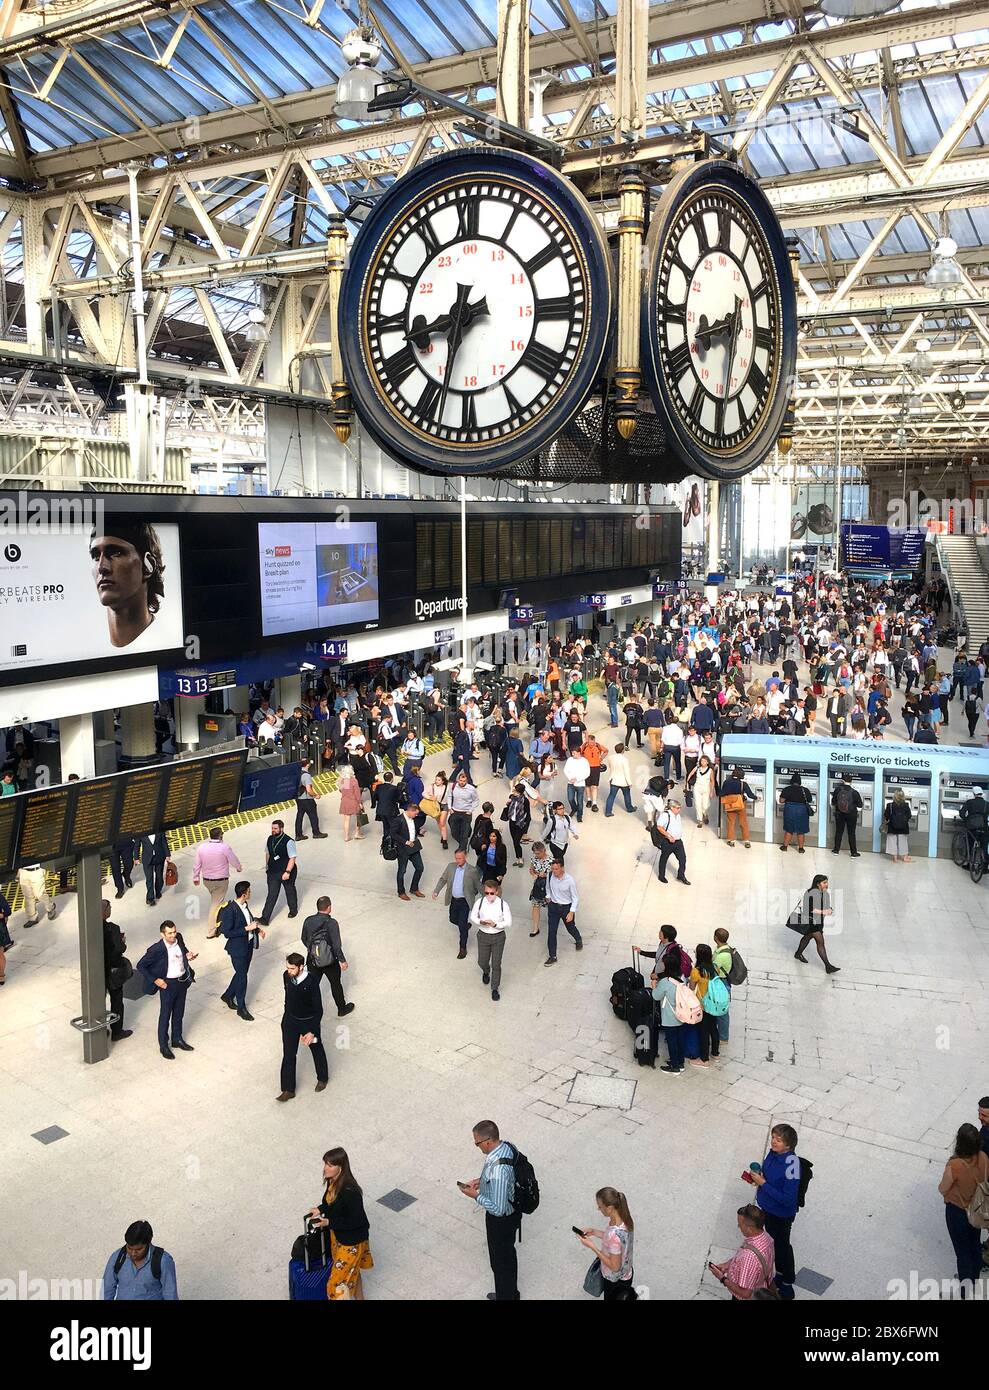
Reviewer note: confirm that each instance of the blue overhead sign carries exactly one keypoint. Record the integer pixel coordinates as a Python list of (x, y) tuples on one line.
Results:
[(882, 547)]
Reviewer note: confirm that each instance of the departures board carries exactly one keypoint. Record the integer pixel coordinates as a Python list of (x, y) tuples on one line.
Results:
[(87, 816)]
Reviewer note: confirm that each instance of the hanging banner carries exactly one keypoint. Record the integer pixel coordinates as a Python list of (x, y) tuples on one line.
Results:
[(812, 512)]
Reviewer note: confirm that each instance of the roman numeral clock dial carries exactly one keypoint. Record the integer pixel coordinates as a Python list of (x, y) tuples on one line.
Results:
[(719, 320), (475, 310)]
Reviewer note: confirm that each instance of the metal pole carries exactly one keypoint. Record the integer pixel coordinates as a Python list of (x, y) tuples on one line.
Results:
[(837, 471), (137, 270), (464, 654), (89, 896)]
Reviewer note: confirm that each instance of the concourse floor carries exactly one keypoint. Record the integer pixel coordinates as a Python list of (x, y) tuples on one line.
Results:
[(875, 1067)]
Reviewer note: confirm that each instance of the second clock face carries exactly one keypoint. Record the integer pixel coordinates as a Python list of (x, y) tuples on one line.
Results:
[(480, 311), (719, 319)]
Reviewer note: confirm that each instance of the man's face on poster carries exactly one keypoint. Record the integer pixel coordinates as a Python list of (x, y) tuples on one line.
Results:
[(118, 570)]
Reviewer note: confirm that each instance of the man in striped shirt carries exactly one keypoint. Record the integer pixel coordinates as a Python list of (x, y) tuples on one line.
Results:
[(751, 1266), (494, 1192)]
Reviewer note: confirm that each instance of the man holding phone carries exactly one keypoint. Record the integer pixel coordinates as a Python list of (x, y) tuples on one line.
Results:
[(751, 1266), (494, 1191)]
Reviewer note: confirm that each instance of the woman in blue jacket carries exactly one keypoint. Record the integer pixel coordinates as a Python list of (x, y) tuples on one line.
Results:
[(777, 1198)]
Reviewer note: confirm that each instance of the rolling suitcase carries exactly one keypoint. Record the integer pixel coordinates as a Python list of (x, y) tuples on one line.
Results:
[(623, 984), (642, 1021), (309, 1267)]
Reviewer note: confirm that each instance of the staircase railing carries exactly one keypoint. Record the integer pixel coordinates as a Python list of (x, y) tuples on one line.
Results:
[(958, 615)]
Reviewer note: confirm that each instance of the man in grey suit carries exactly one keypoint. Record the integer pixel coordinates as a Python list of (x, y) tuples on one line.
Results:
[(463, 886), (321, 938)]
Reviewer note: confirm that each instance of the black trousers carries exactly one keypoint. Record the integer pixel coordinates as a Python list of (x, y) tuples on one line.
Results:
[(292, 1031), (418, 868), (306, 808), (154, 877), (458, 827), (121, 867), (708, 1037), (502, 1233), (171, 1005), (237, 988), (460, 917), (779, 1228), (844, 824), (678, 852), (331, 973), (516, 832), (275, 885), (116, 1007)]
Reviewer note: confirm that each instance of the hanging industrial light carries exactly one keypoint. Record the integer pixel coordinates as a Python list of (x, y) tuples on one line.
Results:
[(944, 269), (255, 332), (921, 362), (357, 87)]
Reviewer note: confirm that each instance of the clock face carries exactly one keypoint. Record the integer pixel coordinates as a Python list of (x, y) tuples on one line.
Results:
[(719, 320), (475, 311)]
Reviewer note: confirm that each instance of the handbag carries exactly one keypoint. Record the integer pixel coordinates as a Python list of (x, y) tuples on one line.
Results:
[(171, 876), (735, 802), (594, 1279), (362, 819), (121, 973), (538, 892), (978, 1207), (430, 806)]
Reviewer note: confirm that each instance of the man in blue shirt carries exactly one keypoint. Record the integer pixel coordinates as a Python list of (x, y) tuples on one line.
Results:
[(703, 716), (494, 1192), (779, 1191), (139, 1272)]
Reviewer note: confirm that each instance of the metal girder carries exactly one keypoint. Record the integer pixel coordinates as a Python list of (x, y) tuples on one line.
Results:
[(667, 25)]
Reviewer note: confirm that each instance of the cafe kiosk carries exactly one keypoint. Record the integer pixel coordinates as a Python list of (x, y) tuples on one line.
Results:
[(935, 779)]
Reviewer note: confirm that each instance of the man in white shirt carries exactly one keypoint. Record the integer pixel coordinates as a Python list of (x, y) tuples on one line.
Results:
[(576, 770), (562, 901), (267, 733), (667, 836), (492, 917), (559, 832), (405, 834)]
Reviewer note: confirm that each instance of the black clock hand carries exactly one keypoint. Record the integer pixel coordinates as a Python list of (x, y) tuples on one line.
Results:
[(707, 331), (421, 331), (735, 325), (455, 338)]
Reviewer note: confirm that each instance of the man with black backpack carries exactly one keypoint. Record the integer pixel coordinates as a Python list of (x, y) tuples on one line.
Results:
[(782, 1186), (507, 1190), (139, 1272), (846, 804), (324, 952)]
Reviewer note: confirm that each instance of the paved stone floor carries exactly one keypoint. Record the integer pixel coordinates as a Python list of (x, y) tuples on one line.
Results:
[(875, 1067)]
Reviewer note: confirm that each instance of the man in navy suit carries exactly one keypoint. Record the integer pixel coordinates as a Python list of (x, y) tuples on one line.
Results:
[(165, 967), (243, 932), (155, 854)]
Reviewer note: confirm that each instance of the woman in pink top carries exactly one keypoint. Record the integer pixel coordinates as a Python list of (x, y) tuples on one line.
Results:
[(350, 801)]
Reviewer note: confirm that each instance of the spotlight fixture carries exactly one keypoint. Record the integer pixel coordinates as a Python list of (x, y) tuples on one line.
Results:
[(944, 269), (958, 401)]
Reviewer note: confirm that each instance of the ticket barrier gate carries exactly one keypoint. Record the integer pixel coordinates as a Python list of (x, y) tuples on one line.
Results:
[(863, 781), (916, 787), (810, 779), (955, 789), (753, 771)]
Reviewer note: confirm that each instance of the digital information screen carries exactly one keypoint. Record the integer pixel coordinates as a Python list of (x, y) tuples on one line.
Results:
[(91, 816), (45, 825), (141, 800), (317, 575), (11, 808), (224, 776), (185, 787), (83, 817)]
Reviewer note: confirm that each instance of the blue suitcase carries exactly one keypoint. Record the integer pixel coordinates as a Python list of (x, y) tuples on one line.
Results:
[(309, 1270)]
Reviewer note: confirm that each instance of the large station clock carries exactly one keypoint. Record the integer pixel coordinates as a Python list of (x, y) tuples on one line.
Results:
[(475, 311), (719, 319)]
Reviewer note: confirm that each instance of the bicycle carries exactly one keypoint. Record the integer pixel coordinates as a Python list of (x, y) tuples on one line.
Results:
[(968, 852)]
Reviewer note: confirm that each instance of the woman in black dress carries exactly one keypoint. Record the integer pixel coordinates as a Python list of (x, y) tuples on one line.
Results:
[(808, 918)]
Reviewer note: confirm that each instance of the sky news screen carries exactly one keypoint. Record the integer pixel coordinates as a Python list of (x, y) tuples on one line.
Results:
[(317, 575)]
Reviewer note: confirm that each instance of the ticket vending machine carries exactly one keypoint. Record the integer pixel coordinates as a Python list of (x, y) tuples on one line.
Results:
[(754, 772), (916, 786), (864, 782), (955, 788), (810, 777)]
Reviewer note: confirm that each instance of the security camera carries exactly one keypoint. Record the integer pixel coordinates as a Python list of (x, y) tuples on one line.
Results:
[(307, 666)]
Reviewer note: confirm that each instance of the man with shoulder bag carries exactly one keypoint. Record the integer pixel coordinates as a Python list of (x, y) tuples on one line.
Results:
[(324, 952)]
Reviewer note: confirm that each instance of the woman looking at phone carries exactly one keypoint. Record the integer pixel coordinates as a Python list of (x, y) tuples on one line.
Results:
[(615, 1252)]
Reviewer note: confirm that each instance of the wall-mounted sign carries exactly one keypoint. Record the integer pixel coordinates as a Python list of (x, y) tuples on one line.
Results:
[(598, 600), (521, 616), (442, 635), (626, 600), (335, 649), (191, 686)]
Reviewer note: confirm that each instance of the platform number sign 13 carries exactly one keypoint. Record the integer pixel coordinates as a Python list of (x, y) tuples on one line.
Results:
[(475, 311)]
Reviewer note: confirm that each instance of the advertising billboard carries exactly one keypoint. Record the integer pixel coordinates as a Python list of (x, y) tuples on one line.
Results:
[(812, 513), (89, 594), (317, 575)]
